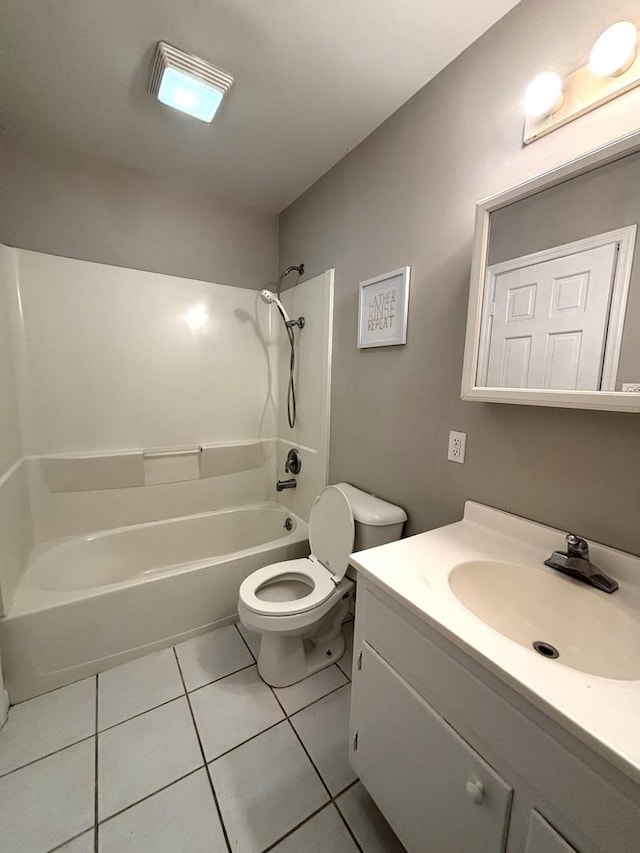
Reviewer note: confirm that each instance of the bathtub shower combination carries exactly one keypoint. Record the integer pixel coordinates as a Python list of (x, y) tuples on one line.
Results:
[(90, 602), (143, 489)]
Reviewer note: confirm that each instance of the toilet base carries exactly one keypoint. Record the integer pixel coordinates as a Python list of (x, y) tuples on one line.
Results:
[(285, 659)]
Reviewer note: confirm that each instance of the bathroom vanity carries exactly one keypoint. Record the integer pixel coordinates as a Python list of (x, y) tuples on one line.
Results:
[(467, 739)]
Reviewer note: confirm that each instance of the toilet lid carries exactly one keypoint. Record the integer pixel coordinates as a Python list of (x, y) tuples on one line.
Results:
[(332, 530)]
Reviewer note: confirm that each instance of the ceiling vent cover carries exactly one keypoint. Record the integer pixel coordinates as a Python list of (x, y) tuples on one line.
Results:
[(187, 83)]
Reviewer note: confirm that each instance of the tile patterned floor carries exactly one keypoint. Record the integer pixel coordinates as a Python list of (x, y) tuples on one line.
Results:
[(187, 750)]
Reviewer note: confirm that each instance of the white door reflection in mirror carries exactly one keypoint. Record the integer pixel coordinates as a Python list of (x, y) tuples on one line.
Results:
[(549, 321), (554, 319)]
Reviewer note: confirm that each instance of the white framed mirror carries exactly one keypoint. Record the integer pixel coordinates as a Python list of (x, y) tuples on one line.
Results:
[(554, 305)]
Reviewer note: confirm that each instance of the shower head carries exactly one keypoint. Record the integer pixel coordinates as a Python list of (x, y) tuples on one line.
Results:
[(271, 299)]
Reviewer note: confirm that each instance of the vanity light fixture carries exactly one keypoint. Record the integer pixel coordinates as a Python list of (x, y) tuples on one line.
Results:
[(615, 50), (612, 70), (187, 83)]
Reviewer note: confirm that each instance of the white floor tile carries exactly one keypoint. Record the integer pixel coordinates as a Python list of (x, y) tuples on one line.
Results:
[(367, 822), (346, 661), (48, 723), (82, 844), (324, 729), (48, 802), (265, 788), (137, 686), (144, 754), (213, 655), (252, 639), (324, 833), (232, 710), (181, 817), (298, 695)]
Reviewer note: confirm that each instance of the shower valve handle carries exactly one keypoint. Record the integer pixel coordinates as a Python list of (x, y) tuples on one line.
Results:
[(293, 465)]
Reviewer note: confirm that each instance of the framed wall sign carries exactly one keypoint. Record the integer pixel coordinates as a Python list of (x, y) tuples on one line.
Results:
[(382, 312)]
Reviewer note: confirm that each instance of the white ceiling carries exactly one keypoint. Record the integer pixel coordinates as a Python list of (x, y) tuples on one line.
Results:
[(313, 78)]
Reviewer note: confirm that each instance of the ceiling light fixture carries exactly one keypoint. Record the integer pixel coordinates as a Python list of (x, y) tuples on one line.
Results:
[(614, 51), (187, 83)]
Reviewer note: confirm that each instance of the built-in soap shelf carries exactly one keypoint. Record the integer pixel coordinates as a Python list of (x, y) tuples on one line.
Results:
[(119, 469)]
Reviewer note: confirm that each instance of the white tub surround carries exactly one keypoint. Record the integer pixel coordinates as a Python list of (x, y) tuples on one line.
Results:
[(90, 602), (312, 299), (145, 401), (16, 536), (121, 469), (10, 438), (121, 358), (216, 460), (4, 699), (73, 513), (16, 539), (79, 472), (602, 712), (103, 363)]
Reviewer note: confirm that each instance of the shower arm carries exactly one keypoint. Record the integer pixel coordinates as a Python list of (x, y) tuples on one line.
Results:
[(299, 269)]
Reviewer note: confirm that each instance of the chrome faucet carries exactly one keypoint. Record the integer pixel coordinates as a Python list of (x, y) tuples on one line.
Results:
[(575, 562), (281, 485)]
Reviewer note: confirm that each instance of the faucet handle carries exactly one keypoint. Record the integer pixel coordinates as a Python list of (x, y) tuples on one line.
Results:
[(577, 546)]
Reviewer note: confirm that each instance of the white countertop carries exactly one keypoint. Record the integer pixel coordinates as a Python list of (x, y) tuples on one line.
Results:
[(604, 713)]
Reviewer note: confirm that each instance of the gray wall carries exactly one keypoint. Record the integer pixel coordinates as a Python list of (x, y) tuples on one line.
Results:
[(600, 201), (406, 195), (67, 204)]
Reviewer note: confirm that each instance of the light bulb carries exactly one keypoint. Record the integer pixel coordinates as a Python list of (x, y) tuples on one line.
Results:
[(615, 50), (543, 95)]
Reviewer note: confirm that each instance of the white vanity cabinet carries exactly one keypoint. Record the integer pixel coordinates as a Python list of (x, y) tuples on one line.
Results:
[(458, 762), (461, 802)]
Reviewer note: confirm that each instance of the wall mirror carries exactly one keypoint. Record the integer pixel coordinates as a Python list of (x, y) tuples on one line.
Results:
[(554, 306)]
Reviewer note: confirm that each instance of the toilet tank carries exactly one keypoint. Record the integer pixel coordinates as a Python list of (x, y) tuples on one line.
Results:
[(377, 522)]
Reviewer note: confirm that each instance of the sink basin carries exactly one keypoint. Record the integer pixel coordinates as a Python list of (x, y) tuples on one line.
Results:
[(537, 606)]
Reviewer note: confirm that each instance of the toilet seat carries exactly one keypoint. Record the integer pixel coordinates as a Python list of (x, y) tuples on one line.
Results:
[(331, 536), (307, 569)]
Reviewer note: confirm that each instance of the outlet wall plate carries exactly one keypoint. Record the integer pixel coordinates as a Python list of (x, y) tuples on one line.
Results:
[(457, 446)]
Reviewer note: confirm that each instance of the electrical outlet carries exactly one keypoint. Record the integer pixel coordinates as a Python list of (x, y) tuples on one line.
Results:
[(457, 446), (631, 386)]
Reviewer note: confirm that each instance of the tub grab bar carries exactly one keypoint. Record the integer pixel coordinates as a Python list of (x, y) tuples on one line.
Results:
[(165, 452)]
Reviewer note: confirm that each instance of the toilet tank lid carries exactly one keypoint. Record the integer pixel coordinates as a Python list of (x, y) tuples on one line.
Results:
[(368, 509)]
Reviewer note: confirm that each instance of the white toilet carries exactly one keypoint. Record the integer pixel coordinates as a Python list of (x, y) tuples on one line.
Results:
[(299, 605)]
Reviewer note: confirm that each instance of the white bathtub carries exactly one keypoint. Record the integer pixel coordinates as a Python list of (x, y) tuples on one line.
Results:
[(91, 602)]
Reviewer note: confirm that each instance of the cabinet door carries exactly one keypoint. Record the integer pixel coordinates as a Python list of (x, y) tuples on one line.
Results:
[(542, 837), (435, 791)]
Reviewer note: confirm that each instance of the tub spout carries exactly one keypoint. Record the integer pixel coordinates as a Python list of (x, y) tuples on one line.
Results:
[(281, 485)]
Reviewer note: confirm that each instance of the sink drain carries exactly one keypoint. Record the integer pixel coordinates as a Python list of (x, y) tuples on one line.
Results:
[(546, 649)]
